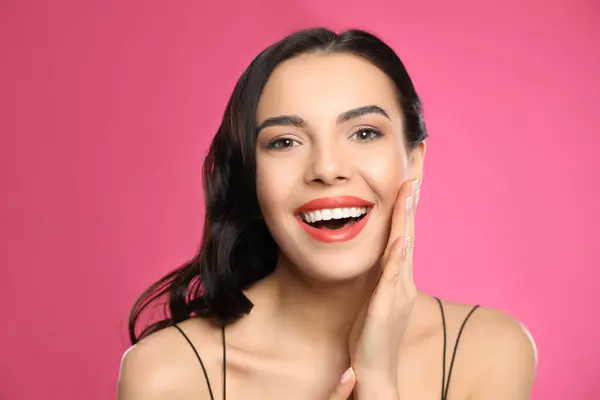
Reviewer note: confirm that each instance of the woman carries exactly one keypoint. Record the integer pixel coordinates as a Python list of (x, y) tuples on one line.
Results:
[(303, 285)]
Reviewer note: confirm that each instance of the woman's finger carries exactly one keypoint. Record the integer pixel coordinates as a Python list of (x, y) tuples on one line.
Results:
[(410, 233), (410, 212), (401, 235), (345, 386), (398, 225), (393, 269)]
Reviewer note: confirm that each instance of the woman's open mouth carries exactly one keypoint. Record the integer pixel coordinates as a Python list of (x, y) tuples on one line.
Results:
[(334, 219)]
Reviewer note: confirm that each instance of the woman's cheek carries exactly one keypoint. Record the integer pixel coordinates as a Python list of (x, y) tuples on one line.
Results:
[(383, 168), (274, 185)]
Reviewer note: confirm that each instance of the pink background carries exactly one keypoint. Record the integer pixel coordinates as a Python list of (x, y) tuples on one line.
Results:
[(107, 109)]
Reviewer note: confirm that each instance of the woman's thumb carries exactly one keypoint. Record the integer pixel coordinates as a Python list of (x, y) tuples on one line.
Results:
[(345, 386)]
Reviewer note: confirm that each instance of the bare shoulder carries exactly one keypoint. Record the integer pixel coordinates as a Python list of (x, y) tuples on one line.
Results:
[(489, 325), (499, 351), (164, 366), (500, 338)]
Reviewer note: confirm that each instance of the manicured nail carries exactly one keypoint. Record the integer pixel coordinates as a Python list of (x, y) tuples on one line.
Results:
[(406, 242), (347, 375), (415, 187), (408, 204), (417, 196)]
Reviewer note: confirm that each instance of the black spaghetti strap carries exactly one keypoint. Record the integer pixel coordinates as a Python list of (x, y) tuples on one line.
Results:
[(444, 351), (456, 348), (212, 397), (446, 383), (224, 365)]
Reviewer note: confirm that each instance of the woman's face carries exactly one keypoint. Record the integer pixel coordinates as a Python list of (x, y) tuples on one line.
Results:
[(330, 160)]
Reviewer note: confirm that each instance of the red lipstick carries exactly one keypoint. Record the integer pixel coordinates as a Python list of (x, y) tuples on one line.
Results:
[(337, 235), (334, 202)]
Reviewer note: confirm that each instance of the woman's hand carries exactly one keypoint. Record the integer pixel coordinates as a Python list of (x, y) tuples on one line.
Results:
[(344, 387), (379, 329)]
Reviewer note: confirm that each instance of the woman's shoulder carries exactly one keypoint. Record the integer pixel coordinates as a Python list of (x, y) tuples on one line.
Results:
[(163, 365), (495, 345), (489, 328)]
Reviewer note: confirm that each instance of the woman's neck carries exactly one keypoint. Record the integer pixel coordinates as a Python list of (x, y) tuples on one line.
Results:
[(307, 313)]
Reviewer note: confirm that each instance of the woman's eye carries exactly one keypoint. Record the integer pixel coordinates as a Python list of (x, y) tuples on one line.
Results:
[(282, 143), (367, 134)]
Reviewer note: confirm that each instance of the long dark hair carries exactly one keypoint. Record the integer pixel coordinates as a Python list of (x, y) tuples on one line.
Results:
[(236, 248)]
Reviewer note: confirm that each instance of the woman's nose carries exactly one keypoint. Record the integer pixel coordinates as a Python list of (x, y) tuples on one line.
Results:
[(328, 166)]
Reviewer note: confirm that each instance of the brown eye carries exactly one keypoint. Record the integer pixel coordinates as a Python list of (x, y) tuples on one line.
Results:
[(366, 134), (282, 143)]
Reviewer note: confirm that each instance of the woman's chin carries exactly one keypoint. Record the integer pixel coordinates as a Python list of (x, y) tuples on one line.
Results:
[(340, 269)]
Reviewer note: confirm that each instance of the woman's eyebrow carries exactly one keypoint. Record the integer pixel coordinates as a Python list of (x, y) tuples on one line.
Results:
[(283, 120), (299, 122), (360, 111)]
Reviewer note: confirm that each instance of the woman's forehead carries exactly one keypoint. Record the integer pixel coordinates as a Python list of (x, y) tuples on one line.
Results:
[(325, 85)]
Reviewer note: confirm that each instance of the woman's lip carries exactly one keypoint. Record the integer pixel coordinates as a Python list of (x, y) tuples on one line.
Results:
[(333, 236), (333, 202)]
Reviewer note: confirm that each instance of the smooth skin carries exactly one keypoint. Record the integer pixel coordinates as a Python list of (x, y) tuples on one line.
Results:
[(329, 307)]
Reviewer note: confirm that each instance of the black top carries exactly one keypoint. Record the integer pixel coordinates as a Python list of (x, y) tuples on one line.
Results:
[(445, 381)]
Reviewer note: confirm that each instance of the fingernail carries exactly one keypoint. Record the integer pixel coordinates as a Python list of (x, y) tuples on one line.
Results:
[(347, 375), (408, 204), (415, 187), (406, 242), (417, 196)]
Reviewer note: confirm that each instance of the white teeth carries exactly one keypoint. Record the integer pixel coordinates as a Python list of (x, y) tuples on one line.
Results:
[(317, 216), (335, 213)]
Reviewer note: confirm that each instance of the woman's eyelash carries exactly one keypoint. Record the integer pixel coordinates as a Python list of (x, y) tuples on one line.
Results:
[(367, 134), (361, 135), (282, 143)]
